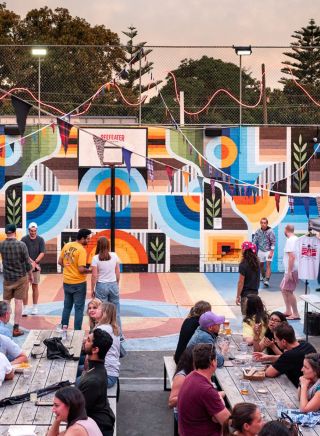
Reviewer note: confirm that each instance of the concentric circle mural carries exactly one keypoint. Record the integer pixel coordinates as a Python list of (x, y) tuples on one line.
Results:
[(221, 152)]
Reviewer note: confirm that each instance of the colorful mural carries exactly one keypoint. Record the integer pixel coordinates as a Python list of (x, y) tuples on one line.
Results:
[(223, 181)]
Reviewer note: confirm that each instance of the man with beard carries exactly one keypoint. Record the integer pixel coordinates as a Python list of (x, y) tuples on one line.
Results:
[(73, 259), (93, 383)]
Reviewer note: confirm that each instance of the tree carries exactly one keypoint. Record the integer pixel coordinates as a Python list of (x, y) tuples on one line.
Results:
[(199, 79), (71, 71)]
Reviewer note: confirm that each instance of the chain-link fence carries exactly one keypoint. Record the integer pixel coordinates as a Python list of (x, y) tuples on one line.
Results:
[(70, 75)]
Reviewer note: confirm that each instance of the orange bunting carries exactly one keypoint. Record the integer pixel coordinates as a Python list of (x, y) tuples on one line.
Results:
[(186, 179)]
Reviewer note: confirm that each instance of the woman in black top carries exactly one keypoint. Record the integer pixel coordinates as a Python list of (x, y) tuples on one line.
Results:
[(189, 326)]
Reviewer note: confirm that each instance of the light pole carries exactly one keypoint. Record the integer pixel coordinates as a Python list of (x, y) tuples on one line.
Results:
[(241, 51), (40, 53)]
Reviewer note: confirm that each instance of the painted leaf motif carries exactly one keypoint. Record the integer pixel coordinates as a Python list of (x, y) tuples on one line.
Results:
[(300, 139), (304, 147), (303, 176), (9, 210), (14, 194), (153, 246), (161, 255), (209, 211), (153, 257), (303, 157), (216, 213), (160, 246), (17, 201), (209, 222), (10, 219), (296, 157), (296, 147), (17, 220), (157, 241), (209, 202), (296, 185), (18, 210), (296, 165), (303, 186), (9, 201), (217, 202)]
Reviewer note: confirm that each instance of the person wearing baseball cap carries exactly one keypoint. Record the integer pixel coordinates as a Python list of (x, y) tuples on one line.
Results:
[(207, 333), (249, 274), (36, 249), (16, 270)]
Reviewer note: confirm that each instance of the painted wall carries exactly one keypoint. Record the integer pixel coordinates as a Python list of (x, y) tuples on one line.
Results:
[(161, 227)]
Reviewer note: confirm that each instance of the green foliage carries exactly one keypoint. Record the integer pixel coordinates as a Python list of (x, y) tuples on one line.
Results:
[(300, 156), (13, 211), (157, 252)]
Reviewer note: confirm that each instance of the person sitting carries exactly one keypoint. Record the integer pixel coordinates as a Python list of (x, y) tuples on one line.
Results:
[(184, 367), (276, 428), (267, 343), (309, 392), (201, 409), (5, 312), (69, 407), (207, 333), (245, 420), (12, 351), (255, 321), (108, 323), (6, 370), (93, 383), (189, 325), (94, 312), (291, 361)]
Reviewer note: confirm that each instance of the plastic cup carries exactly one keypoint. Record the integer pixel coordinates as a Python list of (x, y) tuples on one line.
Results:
[(244, 387), (243, 347)]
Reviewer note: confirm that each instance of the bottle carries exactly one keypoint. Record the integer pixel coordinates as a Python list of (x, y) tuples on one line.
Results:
[(64, 333)]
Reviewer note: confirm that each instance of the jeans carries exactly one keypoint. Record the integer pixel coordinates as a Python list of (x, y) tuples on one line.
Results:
[(74, 294), (111, 380), (109, 292)]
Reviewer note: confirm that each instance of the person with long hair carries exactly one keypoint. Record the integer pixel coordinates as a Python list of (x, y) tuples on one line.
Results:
[(106, 275), (276, 428), (268, 343), (249, 274), (69, 407), (108, 323), (245, 420), (309, 392), (189, 326), (94, 312), (255, 321)]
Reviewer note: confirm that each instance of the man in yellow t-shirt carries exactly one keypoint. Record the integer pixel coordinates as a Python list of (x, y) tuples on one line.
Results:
[(73, 259)]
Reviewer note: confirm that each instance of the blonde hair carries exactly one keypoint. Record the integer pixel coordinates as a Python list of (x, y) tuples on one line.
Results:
[(109, 316), (98, 303)]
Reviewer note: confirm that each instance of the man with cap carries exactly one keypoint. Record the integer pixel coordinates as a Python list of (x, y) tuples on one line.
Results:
[(207, 333), (36, 250), (17, 272)]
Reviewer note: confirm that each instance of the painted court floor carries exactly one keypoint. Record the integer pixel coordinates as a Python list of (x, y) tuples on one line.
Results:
[(153, 305)]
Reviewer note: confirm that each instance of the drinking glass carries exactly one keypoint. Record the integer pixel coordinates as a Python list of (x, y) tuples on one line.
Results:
[(244, 387)]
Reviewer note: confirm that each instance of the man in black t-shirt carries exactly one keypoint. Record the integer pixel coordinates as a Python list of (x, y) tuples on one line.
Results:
[(36, 250), (291, 361)]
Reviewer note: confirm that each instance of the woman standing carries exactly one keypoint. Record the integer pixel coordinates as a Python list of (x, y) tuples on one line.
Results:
[(189, 326), (108, 324), (106, 275), (69, 407), (309, 391), (249, 274)]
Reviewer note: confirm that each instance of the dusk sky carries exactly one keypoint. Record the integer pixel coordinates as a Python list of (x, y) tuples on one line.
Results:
[(198, 22)]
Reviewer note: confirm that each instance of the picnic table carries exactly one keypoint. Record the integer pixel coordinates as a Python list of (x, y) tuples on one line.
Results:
[(44, 372), (266, 393)]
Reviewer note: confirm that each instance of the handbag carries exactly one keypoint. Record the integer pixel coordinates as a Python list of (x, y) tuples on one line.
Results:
[(56, 350), (287, 421)]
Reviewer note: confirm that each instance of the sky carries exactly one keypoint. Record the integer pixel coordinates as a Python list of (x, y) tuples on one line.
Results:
[(197, 22)]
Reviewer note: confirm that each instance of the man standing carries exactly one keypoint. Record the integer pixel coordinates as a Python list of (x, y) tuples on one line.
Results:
[(201, 409), (265, 240), (73, 259), (16, 268), (36, 250), (290, 278), (93, 383)]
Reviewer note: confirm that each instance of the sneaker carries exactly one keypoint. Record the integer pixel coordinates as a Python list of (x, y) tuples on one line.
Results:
[(262, 279), (17, 332), (34, 310), (266, 283), (25, 311)]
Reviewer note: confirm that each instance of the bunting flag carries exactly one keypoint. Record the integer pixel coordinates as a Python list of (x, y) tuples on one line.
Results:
[(150, 169), (126, 154), (291, 204), (190, 148), (64, 130), (200, 180), (53, 127), (99, 143), (231, 190), (212, 184), (306, 203), (186, 179), (254, 191), (170, 176), (210, 170), (277, 200), (22, 109), (200, 159), (245, 189)]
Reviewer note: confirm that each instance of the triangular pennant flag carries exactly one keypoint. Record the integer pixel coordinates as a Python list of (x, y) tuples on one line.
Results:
[(212, 184), (186, 179), (254, 195), (11, 145), (200, 180), (231, 190), (291, 204), (150, 169), (277, 200), (126, 154), (22, 141), (22, 109), (170, 175), (306, 203), (53, 127), (99, 143), (210, 170), (200, 159), (190, 149), (64, 130)]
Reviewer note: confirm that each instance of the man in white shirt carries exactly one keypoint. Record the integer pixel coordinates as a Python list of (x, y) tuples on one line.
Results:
[(11, 350), (6, 370), (290, 278)]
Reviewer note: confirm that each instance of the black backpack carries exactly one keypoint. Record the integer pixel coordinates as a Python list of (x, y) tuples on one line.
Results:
[(56, 350)]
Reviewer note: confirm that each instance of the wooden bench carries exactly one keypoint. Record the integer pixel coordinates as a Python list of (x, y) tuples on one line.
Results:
[(113, 405), (169, 369), (114, 392)]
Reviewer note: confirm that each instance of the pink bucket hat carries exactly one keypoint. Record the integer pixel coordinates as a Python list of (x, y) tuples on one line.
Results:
[(249, 246)]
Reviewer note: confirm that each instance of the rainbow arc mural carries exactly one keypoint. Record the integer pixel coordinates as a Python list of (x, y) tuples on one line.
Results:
[(194, 222)]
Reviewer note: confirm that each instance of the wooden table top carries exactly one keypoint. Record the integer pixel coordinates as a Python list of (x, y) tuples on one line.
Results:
[(44, 372)]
